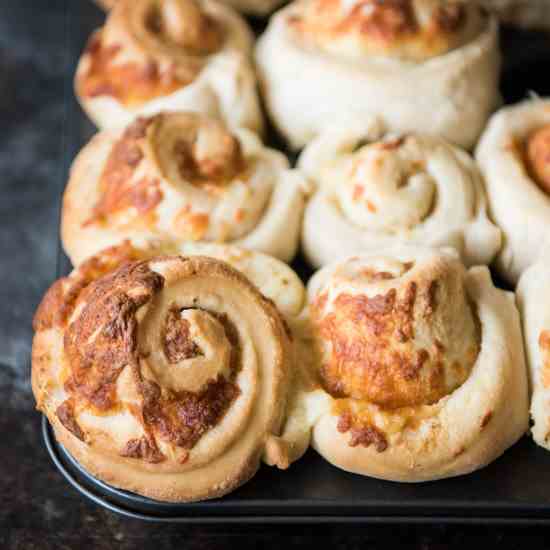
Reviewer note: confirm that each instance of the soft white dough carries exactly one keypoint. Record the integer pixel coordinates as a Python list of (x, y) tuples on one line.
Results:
[(516, 203), (307, 91), (442, 204)]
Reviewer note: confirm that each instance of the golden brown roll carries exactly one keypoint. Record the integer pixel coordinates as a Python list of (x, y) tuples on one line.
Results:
[(256, 7), (186, 177), (530, 14), (419, 365), (168, 376), (154, 55), (534, 306), (514, 156), (375, 191), (429, 66)]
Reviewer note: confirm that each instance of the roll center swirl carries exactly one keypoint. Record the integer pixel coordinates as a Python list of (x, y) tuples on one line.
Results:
[(388, 185), (395, 333), (196, 349), (195, 150)]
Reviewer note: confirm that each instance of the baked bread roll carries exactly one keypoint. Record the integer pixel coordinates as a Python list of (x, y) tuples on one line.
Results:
[(154, 55), (514, 156), (418, 65), (255, 7), (534, 306), (374, 192), (186, 177), (529, 14), (169, 376), (420, 366)]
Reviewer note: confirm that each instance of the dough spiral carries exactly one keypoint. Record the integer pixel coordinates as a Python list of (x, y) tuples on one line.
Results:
[(418, 65), (514, 156), (154, 55), (166, 376), (374, 192), (419, 367), (186, 177)]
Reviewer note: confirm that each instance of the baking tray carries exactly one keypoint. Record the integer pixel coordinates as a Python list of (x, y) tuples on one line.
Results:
[(513, 489)]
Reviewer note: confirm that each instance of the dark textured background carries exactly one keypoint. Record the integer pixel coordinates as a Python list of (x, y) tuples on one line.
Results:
[(38, 509)]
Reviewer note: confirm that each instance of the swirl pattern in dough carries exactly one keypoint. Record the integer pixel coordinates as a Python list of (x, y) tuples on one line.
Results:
[(186, 177), (154, 55), (418, 65), (514, 156), (420, 367), (374, 192), (167, 376)]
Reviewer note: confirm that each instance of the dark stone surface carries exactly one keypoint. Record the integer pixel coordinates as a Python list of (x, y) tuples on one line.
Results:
[(39, 510)]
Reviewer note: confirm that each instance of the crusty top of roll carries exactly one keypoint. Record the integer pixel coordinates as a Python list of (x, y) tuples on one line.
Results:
[(396, 332), (413, 30), (185, 155), (148, 49)]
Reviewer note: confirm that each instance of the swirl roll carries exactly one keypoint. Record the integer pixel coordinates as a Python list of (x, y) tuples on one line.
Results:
[(181, 176), (514, 156), (419, 366), (418, 65), (375, 192), (166, 376), (155, 55)]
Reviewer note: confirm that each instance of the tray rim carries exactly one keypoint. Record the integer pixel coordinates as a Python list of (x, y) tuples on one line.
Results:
[(327, 510)]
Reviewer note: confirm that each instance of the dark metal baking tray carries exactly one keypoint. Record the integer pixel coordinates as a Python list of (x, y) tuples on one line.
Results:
[(514, 489)]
